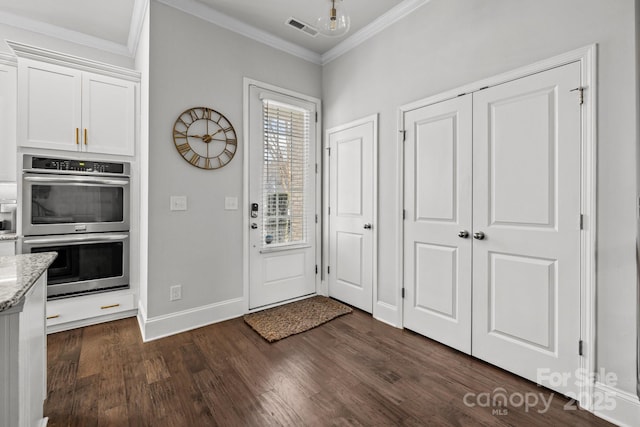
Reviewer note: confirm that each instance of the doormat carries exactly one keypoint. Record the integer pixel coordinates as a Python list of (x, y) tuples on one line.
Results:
[(280, 322)]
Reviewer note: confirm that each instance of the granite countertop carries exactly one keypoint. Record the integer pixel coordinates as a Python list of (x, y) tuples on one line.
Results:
[(8, 236), (18, 274)]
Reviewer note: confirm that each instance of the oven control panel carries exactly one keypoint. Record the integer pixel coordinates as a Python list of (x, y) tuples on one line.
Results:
[(70, 165)]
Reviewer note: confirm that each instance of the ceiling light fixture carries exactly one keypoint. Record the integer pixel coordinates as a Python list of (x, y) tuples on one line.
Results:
[(336, 23)]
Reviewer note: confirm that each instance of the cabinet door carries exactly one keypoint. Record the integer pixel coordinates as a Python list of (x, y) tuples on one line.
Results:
[(7, 247), (7, 123), (108, 115), (49, 106)]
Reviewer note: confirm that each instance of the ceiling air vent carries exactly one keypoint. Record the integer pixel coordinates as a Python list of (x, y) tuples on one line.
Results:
[(301, 26)]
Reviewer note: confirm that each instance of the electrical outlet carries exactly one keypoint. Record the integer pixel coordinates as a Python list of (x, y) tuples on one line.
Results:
[(230, 203), (178, 203), (175, 293)]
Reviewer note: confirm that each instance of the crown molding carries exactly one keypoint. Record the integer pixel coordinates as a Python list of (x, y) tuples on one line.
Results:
[(202, 11), (62, 33), (137, 21), (383, 21), (7, 59), (26, 51)]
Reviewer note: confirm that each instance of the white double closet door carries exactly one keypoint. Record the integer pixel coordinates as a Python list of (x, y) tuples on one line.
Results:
[(492, 228)]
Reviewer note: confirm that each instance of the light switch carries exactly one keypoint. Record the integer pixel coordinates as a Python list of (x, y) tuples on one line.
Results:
[(178, 203), (231, 203)]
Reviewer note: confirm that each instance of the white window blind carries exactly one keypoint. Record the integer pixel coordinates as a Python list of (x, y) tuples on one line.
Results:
[(285, 173)]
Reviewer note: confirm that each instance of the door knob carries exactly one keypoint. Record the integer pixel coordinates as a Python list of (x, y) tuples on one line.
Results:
[(254, 226), (479, 235), (463, 233), (368, 226)]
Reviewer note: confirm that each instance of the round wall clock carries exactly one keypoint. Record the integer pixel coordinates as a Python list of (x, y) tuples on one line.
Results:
[(205, 138)]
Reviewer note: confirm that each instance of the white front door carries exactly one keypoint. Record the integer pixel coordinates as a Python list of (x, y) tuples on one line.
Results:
[(437, 242), (526, 202), (351, 204), (282, 193)]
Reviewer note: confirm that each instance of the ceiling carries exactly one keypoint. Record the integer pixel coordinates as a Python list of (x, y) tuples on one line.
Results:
[(115, 25), (271, 15)]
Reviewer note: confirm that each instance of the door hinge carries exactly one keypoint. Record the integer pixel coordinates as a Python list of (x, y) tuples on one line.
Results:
[(580, 345), (404, 214), (316, 218), (402, 293), (581, 222), (316, 117), (404, 135), (329, 151), (580, 91), (328, 269), (316, 168), (316, 268), (329, 210)]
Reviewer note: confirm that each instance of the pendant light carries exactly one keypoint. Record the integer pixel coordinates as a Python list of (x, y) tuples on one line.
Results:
[(335, 23)]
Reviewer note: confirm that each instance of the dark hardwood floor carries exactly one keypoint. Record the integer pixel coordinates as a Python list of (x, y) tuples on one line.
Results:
[(351, 371)]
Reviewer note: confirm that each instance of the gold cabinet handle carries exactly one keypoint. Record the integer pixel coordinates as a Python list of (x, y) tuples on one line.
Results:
[(104, 307), (85, 136), (55, 316), (77, 136)]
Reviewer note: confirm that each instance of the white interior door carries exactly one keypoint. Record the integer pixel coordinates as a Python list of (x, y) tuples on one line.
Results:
[(526, 202), (351, 203), (437, 226), (282, 193)]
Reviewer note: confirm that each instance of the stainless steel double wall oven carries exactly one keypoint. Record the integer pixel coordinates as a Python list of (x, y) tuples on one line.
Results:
[(79, 209)]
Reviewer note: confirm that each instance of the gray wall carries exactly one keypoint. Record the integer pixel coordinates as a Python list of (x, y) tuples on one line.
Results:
[(194, 63), (448, 43)]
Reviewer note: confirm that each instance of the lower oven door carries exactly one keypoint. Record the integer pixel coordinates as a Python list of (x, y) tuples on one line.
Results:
[(87, 263)]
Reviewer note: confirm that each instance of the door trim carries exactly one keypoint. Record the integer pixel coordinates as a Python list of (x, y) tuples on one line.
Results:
[(325, 203), (246, 83), (587, 57)]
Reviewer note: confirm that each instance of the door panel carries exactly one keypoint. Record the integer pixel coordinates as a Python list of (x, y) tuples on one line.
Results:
[(282, 239), (51, 111), (436, 270), (435, 162), (524, 310), (108, 114), (437, 276), (526, 200), (522, 150), (351, 207)]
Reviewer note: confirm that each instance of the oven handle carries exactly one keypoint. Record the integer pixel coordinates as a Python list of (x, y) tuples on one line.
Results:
[(75, 239), (76, 180)]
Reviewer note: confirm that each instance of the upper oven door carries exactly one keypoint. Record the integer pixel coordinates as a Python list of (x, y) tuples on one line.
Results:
[(67, 204)]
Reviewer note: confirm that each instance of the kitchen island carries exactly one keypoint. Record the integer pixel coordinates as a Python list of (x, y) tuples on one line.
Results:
[(23, 348)]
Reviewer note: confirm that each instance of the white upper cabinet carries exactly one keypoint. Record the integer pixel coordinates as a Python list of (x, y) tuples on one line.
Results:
[(50, 99), (63, 108), (74, 104), (8, 157), (108, 115)]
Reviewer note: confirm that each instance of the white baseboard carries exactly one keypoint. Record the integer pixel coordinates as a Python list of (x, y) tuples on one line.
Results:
[(616, 406), (170, 324), (323, 289), (386, 313)]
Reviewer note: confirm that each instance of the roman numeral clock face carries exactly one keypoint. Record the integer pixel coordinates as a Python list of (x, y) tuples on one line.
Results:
[(205, 138)]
